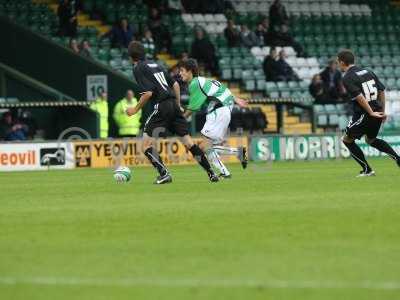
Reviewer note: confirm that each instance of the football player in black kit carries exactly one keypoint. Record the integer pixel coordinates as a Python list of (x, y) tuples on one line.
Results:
[(157, 85), (368, 99)]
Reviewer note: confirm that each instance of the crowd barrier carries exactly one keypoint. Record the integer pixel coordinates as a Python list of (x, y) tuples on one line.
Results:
[(111, 153)]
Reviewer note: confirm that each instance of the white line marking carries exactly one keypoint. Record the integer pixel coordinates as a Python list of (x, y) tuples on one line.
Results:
[(206, 283)]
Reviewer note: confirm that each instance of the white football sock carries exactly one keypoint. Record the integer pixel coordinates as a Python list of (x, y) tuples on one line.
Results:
[(214, 158), (226, 150)]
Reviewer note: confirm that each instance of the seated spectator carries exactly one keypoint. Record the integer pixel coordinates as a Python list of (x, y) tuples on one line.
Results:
[(128, 126), (277, 16), (73, 45), (11, 129), (261, 33), (203, 50), (332, 80), (68, 17), (232, 35), (161, 35), (248, 38), (316, 90), (120, 34), (148, 44), (270, 65), (85, 50), (285, 71), (27, 119)]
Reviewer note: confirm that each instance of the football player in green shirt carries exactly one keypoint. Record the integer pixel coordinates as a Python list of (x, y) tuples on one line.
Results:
[(220, 101)]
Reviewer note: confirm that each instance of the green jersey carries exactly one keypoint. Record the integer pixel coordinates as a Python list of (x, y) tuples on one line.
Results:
[(210, 92)]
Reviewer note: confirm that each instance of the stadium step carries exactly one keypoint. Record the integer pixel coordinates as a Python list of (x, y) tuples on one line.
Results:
[(168, 59), (84, 19), (395, 2), (44, 1), (302, 128), (239, 93), (292, 120)]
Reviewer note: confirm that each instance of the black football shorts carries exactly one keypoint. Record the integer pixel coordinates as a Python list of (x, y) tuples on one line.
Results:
[(166, 119), (363, 124)]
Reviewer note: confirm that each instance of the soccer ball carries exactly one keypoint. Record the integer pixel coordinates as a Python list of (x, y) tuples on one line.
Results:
[(122, 174)]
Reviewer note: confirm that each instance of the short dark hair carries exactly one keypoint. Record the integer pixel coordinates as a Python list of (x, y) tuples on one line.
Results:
[(191, 65), (136, 51), (346, 56)]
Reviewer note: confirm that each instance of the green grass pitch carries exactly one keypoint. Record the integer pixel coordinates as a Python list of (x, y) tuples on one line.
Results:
[(290, 230)]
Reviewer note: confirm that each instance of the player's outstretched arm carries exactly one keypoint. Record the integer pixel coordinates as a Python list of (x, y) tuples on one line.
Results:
[(130, 111), (365, 105), (177, 91)]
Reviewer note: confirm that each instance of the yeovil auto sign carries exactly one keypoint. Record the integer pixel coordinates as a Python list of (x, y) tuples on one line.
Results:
[(35, 156)]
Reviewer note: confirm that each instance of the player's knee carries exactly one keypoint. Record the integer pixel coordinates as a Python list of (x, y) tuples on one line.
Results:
[(370, 140), (204, 144), (346, 139), (147, 143), (187, 141)]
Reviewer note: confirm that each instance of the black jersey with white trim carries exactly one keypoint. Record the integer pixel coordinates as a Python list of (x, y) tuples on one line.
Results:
[(151, 77), (358, 81)]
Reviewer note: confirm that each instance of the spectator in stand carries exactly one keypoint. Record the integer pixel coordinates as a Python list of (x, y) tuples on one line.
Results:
[(128, 126), (11, 129), (261, 33), (248, 38), (190, 6), (203, 50), (278, 15), (85, 50), (332, 79), (161, 35), (270, 65), (27, 119), (285, 71), (121, 34), (73, 45), (316, 90), (148, 44), (282, 38), (184, 55), (68, 17), (232, 35)]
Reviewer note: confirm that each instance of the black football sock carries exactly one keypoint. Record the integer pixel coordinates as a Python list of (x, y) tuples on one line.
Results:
[(383, 146), (156, 160), (358, 156), (199, 155)]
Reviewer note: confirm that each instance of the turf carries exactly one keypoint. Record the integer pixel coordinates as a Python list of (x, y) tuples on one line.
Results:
[(294, 230)]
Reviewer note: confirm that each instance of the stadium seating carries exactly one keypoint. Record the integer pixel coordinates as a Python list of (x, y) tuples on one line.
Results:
[(306, 8), (213, 24), (322, 27)]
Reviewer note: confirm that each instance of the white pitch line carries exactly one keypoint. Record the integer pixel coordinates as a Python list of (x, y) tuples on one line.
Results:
[(203, 283)]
